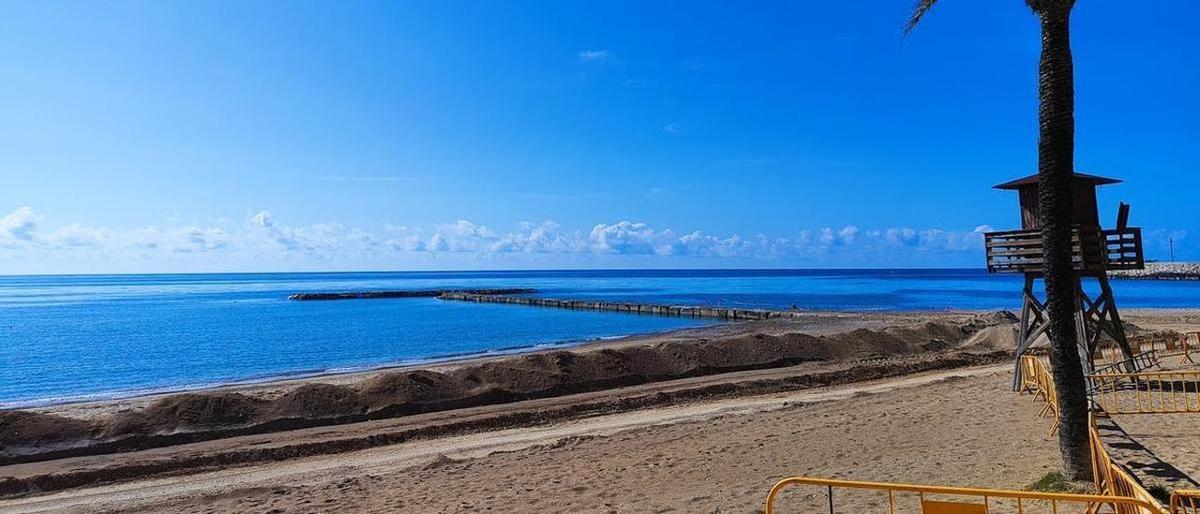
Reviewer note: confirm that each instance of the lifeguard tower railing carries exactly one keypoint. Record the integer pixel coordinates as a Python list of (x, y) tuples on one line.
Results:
[(1095, 250)]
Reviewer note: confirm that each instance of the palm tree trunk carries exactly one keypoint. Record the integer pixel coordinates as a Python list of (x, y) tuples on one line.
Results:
[(1056, 166)]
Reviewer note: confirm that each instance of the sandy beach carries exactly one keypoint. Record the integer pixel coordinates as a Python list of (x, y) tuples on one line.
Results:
[(1170, 437), (882, 396), (813, 323), (921, 428), (165, 420), (632, 257), (917, 429)]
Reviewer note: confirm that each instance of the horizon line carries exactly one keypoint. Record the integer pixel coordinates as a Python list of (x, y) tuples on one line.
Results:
[(510, 270)]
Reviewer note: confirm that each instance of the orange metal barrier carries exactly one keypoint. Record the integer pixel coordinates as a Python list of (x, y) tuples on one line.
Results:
[(1111, 353), (1111, 479), (1117, 490), (1185, 501), (1029, 374), (1159, 392), (1182, 347), (1185, 346), (1036, 379), (964, 500), (1140, 363)]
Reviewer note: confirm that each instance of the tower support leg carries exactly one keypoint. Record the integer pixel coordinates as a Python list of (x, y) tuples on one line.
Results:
[(1105, 318), (1033, 323), (1094, 318)]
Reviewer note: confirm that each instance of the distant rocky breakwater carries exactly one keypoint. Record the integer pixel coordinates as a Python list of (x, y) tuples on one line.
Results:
[(1162, 271), (632, 308), (512, 296), (429, 293)]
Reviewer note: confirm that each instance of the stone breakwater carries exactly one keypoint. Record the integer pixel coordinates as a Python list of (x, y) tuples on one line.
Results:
[(509, 296), (1162, 271), (632, 308), (430, 293)]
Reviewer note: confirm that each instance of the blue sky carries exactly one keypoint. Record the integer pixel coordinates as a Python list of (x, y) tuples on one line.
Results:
[(241, 136)]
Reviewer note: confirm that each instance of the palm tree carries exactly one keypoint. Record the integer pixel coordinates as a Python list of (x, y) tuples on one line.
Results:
[(1056, 165)]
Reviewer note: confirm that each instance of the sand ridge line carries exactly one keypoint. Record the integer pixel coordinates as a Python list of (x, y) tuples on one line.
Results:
[(62, 474), (471, 446), (185, 418)]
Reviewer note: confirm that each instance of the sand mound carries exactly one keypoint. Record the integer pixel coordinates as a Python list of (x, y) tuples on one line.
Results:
[(536, 375), (995, 318), (893, 341), (410, 389), (318, 401), (32, 429), (190, 412), (1000, 337)]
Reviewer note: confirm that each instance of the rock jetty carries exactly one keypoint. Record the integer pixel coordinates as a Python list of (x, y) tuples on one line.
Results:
[(1162, 271), (429, 293), (632, 308)]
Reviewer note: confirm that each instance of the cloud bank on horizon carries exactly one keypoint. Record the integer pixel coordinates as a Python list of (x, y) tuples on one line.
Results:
[(260, 242)]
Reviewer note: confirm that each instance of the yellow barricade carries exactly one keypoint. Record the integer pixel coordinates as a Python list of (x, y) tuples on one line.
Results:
[(1181, 346), (1120, 492), (1117, 490), (1111, 479), (1185, 501), (1159, 392), (1029, 374), (964, 500), (1185, 344), (1036, 379)]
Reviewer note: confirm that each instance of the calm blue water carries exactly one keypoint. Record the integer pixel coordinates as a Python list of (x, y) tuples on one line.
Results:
[(66, 338)]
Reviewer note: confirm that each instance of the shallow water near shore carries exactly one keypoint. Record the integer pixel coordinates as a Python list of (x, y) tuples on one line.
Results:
[(70, 338)]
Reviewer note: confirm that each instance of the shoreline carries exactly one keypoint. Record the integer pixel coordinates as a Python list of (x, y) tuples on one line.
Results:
[(170, 419), (343, 374), (812, 322), (175, 435), (308, 375)]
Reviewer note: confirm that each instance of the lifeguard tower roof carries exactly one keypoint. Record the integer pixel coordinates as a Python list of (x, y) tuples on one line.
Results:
[(1032, 180)]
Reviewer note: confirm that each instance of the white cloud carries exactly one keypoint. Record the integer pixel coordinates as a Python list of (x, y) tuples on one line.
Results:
[(625, 238), (261, 219), (595, 55), (19, 225), (848, 234), (407, 243), (901, 237), (544, 237), (80, 236), (673, 128), (260, 238)]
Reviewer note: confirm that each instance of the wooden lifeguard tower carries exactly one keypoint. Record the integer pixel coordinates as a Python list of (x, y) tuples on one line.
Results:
[(1096, 250)]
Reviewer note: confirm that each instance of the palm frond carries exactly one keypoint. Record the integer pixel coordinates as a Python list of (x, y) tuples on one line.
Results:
[(918, 11)]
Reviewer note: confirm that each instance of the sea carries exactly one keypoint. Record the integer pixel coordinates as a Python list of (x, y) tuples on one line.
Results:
[(71, 338)]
